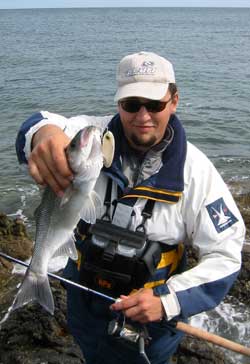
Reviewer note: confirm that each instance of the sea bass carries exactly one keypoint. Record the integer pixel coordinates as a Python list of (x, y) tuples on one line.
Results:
[(57, 217)]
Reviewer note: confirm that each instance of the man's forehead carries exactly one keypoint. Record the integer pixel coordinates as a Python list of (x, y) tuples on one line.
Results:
[(143, 99)]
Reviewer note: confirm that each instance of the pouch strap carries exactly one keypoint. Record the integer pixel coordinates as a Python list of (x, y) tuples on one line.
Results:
[(146, 214), (107, 201)]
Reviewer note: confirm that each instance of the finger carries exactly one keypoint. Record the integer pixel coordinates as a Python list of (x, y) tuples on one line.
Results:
[(136, 314), (139, 318), (133, 312), (124, 304), (61, 181), (142, 316), (52, 152), (60, 162), (35, 174), (43, 158), (42, 175), (49, 179)]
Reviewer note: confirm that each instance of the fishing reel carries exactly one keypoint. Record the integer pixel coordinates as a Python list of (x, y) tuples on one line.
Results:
[(138, 334)]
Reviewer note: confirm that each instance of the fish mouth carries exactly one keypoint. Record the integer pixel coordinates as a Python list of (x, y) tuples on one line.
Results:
[(90, 132), (90, 142), (84, 148)]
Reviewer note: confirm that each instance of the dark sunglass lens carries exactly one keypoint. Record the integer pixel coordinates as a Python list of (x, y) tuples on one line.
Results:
[(155, 106), (131, 105), (134, 106)]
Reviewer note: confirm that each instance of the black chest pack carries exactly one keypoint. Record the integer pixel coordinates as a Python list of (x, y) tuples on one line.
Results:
[(115, 259)]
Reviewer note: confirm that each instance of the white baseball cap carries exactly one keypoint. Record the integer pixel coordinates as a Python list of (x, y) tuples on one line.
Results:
[(144, 74)]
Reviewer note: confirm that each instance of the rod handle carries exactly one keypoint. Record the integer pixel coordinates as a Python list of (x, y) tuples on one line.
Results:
[(215, 339)]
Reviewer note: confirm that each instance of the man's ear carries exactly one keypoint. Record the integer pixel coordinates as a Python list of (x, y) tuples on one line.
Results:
[(175, 101)]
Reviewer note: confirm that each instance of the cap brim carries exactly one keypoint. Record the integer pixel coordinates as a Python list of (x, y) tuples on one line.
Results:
[(148, 90)]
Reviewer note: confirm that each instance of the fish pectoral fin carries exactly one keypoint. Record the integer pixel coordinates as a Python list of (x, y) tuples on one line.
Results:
[(68, 249), (92, 208), (67, 196), (34, 288), (96, 200)]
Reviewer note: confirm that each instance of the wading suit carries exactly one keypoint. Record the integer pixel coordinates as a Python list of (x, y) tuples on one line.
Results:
[(192, 206)]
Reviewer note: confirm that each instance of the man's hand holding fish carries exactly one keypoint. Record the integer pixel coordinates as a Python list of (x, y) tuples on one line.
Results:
[(48, 164)]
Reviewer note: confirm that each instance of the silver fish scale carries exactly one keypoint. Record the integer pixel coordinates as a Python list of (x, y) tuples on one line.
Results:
[(45, 217)]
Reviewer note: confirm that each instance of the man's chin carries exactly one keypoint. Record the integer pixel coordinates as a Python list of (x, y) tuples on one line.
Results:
[(140, 142)]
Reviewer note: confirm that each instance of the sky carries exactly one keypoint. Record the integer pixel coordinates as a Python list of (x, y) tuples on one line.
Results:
[(20, 4)]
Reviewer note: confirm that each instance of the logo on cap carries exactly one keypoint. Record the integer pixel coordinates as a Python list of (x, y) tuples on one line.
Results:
[(220, 215), (147, 68)]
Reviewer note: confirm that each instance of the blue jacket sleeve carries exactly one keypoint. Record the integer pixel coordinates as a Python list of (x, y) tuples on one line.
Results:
[(21, 136)]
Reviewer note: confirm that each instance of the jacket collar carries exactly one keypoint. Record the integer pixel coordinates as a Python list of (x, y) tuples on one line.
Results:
[(167, 184)]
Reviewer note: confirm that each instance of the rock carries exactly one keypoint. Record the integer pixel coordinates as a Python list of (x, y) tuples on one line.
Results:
[(14, 239), (195, 351), (243, 202), (32, 336), (241, 286)]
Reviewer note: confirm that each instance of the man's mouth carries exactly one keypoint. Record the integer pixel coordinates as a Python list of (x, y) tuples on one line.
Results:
[(143, 127)]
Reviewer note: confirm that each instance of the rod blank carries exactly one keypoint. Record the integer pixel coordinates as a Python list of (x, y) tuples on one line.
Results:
[(52, 275)]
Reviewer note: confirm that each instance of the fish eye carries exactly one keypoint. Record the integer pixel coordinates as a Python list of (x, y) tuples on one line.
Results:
[(73, 144)]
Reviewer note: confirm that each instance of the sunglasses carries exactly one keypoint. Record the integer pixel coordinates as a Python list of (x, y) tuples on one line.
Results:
[(133, 105)]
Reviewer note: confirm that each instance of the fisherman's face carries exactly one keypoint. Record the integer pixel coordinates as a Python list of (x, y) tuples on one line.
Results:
[(143, 128)]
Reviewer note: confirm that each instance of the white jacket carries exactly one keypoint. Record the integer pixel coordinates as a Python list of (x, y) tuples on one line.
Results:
[(205, 216)]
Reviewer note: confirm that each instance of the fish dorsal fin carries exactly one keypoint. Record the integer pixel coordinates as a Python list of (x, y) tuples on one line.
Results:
[(92, 208), (68, 249)]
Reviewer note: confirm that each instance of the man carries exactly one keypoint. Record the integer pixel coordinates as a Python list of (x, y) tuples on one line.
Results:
[(160, 187)]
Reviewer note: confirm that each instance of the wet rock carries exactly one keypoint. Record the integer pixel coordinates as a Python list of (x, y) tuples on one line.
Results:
[(195, 351), (14, 239), (243, 203), (32, 336), (241, 287)]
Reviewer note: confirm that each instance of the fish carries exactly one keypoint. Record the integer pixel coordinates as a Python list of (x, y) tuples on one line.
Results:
[(56, 217)]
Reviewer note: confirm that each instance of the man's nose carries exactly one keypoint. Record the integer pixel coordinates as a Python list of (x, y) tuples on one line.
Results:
[(143, 114)]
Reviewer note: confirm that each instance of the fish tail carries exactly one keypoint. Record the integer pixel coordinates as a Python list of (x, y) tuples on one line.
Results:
[(35, 288)]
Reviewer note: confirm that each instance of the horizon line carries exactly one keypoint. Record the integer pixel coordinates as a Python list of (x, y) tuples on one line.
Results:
[(126, 7)]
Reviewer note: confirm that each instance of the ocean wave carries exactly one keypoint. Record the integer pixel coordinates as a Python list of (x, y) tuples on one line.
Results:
[(234, 159), (19, 215), (20, 201), (230, 320)]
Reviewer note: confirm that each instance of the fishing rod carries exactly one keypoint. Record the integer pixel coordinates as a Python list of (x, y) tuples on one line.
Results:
[(64, 280), (181, 326)]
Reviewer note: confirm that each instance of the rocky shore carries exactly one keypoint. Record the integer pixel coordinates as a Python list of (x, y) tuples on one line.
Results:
[(32, 336)]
